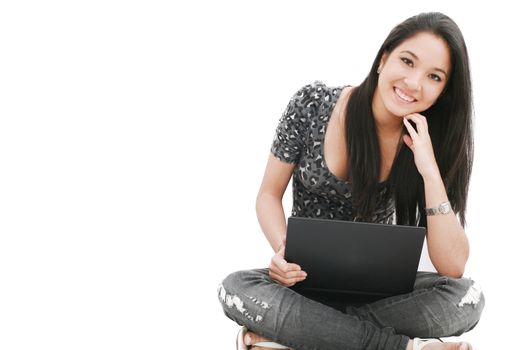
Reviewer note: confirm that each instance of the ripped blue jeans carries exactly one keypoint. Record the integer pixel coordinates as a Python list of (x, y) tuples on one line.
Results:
[(438, 307)]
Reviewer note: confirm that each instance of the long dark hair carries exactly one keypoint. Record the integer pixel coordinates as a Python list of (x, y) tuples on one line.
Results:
[(450, 128)]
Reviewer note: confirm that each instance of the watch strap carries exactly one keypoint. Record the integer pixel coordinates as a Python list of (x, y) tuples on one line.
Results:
[(442, 209)]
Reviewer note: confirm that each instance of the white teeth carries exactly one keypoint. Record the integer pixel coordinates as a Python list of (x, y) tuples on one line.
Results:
[(404, 96)]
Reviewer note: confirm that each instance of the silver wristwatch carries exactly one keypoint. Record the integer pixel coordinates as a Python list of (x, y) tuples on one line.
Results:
[(442, 209)]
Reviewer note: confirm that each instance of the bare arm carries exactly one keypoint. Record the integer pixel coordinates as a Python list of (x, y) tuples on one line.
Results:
[(448, 246), (269, 206), (271, 217)]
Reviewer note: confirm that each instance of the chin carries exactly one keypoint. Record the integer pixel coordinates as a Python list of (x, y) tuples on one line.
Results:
[(402, 112)]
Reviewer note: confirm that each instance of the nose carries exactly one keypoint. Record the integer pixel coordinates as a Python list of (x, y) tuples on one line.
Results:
[(413, 82)]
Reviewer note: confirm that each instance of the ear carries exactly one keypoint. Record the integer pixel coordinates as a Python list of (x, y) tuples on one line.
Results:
[(383, 60)]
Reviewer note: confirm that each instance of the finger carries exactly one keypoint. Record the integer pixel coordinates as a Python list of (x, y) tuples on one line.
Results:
[(410, 128), (291, 281), (295, 274), (284, 273), (420, 120), (408, 141), (288, 282), (293, 267), (287, 276), (276, 277)]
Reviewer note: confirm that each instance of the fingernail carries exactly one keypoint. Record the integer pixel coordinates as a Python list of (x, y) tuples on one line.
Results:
[(463, 346), (247, 340)]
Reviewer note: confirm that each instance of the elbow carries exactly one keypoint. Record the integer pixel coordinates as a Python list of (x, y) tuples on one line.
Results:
[(454, 268), (453, 264), (258, 201), (262, 200), (452, 272)]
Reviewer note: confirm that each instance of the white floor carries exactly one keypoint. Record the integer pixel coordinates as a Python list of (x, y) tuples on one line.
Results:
[(225, 334)]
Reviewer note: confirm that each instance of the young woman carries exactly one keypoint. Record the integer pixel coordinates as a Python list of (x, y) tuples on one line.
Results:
[(396, 149)]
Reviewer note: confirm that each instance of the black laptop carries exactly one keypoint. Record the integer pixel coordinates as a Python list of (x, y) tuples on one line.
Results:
[(354, 258)]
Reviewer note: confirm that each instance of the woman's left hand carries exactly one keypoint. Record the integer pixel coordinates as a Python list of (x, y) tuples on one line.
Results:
[(421, 145)]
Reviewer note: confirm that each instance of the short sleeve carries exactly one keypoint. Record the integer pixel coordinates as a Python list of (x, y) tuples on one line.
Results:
[(289, 140)]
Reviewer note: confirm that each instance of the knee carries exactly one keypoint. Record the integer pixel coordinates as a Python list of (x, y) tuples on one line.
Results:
[(232, 282), (469, 301), (237, 282), (233, 291), (229, 288), (227, 297)]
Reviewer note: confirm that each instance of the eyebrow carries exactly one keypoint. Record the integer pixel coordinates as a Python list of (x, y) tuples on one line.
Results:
[(417, 58)]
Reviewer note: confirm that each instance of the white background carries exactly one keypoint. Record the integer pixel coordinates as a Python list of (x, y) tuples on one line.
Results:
[(134, 135)]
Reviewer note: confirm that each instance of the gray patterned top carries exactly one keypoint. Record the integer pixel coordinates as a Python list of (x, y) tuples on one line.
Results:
[(299, 139)]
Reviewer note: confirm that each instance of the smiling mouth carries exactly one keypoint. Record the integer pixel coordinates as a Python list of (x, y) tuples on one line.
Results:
[(403, 97)]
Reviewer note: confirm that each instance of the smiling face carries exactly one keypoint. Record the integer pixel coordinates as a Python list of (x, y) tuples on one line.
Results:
[(412, 76)]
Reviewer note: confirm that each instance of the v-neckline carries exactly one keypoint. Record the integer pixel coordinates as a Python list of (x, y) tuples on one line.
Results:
[(329, 118), (322, 151)]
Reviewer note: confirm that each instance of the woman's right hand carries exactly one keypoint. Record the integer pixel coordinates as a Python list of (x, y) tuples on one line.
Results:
[(284, 272)]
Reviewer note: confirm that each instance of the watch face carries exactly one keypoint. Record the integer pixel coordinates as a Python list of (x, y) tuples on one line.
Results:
[(444, 208)]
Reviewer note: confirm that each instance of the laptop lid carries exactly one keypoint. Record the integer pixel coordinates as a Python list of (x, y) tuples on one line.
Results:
[(354, 257)]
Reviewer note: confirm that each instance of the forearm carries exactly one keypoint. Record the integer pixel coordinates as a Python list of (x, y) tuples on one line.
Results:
[(448, 244), (270, 214)]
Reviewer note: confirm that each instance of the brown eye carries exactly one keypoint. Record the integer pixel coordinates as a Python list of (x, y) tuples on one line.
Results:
[(407, 61), (435, 77)]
